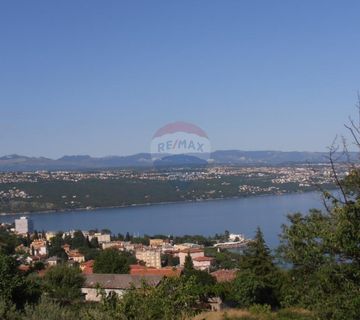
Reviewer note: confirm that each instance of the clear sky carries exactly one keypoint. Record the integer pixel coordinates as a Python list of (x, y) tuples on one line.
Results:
[(100, 77)]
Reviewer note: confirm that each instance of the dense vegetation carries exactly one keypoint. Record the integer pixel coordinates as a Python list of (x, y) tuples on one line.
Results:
[(96, 193), (316, 268), (314, 275)]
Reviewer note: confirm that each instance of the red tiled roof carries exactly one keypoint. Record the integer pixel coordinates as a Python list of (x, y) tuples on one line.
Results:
[(199, 259), (224, 275), (88, 263), (87, 267), (23, 268), (137, 266), (75, 253), (138, 270)]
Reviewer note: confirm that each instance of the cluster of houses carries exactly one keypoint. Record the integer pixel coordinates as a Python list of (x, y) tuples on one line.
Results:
[(148, 268)]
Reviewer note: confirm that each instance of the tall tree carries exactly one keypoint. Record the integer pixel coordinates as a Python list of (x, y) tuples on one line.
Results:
[(257, 279), (188, 264), (113, 261)]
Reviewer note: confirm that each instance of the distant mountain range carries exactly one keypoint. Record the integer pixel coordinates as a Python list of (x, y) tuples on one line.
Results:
[(228, 157)]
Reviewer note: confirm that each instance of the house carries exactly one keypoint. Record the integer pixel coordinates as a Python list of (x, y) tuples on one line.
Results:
[(216, 304), (76, 256), (151, 257), (103, 238), (203, 263), (52, 261), (236, 237), (114, 283), (193, 252), (224, 275), (38, 248), (139, 270), (119, 245), (87, 267)]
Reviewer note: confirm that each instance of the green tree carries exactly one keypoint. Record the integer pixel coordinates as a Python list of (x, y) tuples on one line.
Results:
[(127, 236), (113, 261), (63, 283), (173, 299), (8, 241), (325, 276), (78, 240), (16, 288), (55, 247), (188, 264), (257, 279), (48, 310), (94, 243)]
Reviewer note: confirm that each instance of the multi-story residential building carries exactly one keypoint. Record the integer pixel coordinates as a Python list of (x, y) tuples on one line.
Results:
[(23, 225), (102, 238), (151, 257), (156, 242)]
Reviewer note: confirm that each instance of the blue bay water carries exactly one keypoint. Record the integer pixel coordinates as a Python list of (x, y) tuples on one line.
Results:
[(207, 218)]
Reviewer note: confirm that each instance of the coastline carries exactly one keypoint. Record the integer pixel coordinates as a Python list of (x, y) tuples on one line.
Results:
[(4, 214)]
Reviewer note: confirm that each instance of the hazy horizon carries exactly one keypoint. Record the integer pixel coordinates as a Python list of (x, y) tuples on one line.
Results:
[(145, 152)]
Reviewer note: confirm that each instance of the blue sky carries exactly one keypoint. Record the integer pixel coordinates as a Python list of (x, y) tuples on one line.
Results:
[(99, 77)]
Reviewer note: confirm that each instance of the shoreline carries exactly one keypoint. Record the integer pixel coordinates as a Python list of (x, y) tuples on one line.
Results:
[(4, 214)]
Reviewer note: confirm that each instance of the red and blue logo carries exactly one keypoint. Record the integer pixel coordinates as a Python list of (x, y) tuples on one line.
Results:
[(180, 138)]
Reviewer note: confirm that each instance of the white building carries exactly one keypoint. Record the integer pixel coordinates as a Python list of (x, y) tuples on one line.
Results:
[(39, 247), (236, 237), (151, 257), (114, 283), (23, 225), (103, 238), (113, 244)]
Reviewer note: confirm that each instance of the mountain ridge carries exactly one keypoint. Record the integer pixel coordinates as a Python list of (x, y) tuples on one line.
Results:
[(17, 162)]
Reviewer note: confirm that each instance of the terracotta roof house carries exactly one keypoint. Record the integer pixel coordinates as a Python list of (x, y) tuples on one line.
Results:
[(140, 270), (193, 252), (53, 261), (87, 267), (114, 283), (203, 263), (76, 256), (224, 275), (39, 247)]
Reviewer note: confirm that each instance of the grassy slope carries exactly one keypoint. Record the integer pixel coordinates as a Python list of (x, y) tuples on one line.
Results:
[(236, 314)]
